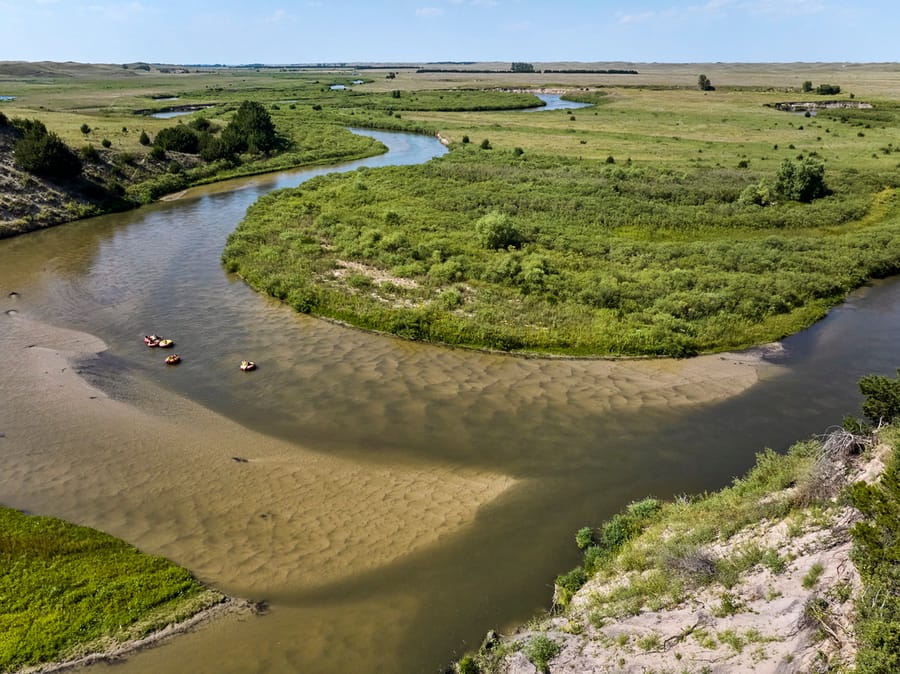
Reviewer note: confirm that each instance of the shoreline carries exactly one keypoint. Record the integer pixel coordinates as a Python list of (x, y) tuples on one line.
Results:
[(228, 606)]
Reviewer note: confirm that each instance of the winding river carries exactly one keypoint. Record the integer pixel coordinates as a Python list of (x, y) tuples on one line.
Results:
[(390, 501)]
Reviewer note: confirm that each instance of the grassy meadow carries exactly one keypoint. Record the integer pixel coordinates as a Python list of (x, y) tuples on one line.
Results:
[(67, 590)]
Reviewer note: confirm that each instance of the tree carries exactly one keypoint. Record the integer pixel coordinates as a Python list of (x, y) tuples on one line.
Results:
[(522, 67), (85, 129), (704, 84), (44, 153), (882, 398), (251, 129), (807, 87), (828, 89), (801, 182), (144, 139)]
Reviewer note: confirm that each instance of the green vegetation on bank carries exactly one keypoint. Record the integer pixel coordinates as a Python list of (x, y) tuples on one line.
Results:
[(656, 555), (67, 590)]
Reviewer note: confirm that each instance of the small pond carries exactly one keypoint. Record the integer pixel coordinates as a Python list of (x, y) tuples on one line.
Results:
[(7, 98), (555, 102), (171, 113)]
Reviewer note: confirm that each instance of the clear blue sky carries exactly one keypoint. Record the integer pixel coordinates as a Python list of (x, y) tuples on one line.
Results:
[(282, 31)]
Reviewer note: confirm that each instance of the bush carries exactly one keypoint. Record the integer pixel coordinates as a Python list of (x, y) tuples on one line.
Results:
[(467, 665), (85, 129), (828, 89), (465, 140), (540, 651), (876, 553), (144, 139), (4, 120), (882, 398), (89, 153), (568, 584), (486, 144), (495, 231), (44, 153), (178, 139), (584, 537), (157, 152), (803, 181)]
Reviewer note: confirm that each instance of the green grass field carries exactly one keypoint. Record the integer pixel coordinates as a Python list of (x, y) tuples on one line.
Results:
[(67, 590)]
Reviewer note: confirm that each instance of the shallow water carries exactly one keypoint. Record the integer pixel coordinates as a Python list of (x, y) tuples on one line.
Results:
[(555, 102), (576, 441)]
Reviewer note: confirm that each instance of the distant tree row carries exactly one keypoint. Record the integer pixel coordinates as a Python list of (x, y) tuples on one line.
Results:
[(822, 89), (599, 71), (704, 84)]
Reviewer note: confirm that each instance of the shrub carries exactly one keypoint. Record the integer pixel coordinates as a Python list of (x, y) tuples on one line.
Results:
[(106, 142), (89, 153), (203, 124), (85, 129), (495, 231), (44, 153), (178, 139), (876, 553), (568, 584), (157, 152), (467, 665), (584, 537), (465, 140), (4, 120), (803, 181), (144, 139), (540, 651), (518, 152), (486, 144), (882, 398)]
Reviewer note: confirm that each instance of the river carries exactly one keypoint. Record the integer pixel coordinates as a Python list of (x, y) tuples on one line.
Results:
[(399, 499)]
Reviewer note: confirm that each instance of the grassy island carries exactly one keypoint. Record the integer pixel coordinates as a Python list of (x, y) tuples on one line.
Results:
[(67, 591)]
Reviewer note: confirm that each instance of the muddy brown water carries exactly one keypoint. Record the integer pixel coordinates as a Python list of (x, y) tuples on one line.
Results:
[(400, 499)]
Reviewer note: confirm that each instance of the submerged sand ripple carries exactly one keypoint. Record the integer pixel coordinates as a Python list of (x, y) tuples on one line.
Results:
[(169, 482)]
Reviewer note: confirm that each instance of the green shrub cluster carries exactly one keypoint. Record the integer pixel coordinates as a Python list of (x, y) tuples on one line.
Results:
[(876, 553), (42, 152), (613, 534)]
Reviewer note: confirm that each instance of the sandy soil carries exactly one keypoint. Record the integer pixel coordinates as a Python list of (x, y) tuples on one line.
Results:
[(781, 623)]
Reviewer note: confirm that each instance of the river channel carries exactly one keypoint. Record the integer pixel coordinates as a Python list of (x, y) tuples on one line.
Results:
[(393, 500)]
